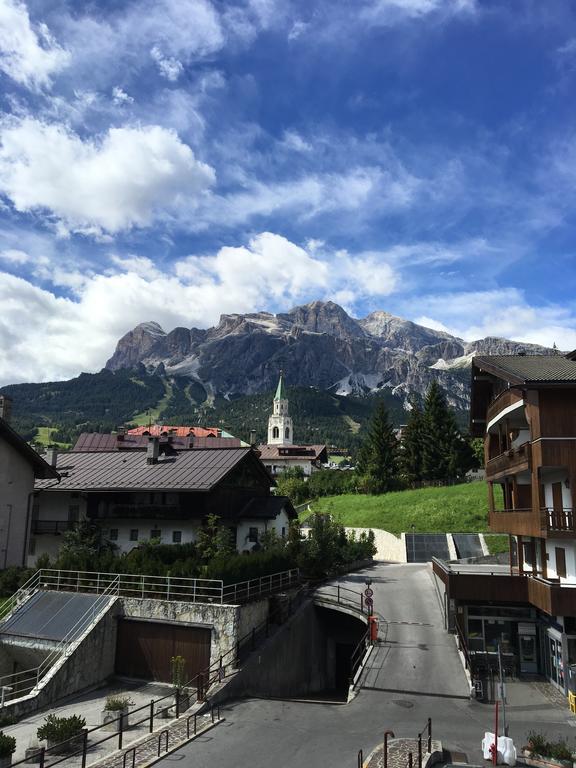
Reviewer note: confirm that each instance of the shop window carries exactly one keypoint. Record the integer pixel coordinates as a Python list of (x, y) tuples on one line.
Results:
[(475, 635), (176, 537)]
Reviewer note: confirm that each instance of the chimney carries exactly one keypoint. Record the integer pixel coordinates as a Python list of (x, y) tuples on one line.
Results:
[(120, 434), (152, 450), (5, 407), (51, 456), (253, 437)]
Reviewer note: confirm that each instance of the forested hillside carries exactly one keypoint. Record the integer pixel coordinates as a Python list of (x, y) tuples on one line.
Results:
[(59, 411)]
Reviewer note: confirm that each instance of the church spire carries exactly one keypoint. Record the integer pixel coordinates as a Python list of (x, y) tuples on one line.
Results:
[(280, 430), (280, 394)]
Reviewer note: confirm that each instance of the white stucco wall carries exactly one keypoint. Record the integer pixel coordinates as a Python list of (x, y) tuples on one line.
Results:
[(556, 477), (279, 465), (16, 483), (570, 550), (282, 521)]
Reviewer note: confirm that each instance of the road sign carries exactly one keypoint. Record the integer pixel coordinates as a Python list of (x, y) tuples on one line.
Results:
[(368, 602), (368, 592)]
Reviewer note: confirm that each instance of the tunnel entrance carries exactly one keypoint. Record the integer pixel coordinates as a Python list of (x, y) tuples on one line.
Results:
[(341, 635)]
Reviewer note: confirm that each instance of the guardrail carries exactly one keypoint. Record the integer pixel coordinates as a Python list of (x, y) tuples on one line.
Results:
[(154, 587), (336, 593), (21, 683)]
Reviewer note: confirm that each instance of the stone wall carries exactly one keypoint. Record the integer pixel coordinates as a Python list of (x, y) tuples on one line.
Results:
[(293, 662), (91, 664)]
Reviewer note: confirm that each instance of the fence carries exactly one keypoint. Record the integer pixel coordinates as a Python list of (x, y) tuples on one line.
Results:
[(335, 593), (21, 683), (77, 750), (152, 587)]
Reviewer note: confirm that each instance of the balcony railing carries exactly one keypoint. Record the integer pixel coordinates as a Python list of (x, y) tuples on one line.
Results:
[(135, 511), (54, 527), (520, 522), (514, 460), (558, 520), (505, 399)]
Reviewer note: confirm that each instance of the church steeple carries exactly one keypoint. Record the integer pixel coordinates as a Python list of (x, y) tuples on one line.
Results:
[(280, 430)]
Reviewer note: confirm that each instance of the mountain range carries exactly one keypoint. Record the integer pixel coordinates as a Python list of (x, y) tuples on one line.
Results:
[(316, 345), (334, 366)]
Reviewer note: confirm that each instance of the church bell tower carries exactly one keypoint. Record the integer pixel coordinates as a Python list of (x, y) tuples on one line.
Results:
[(280, 431)]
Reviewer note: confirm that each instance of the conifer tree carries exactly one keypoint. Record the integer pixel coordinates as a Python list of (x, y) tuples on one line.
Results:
[(446, 455), (412, 448), (378, 456)]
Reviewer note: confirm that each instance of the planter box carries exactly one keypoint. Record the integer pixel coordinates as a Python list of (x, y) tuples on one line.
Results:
[(545, 762), (110, 719), (67, 747)]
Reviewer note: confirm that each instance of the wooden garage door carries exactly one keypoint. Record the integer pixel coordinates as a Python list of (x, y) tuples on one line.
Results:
[(144, 649)]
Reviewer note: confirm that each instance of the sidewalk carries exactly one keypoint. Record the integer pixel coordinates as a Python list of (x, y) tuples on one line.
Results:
[(89, 705)]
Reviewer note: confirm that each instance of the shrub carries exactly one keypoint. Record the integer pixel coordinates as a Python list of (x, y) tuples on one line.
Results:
[(117, 703), (7, 745), (539, 745), (59, 729), (12, 578)]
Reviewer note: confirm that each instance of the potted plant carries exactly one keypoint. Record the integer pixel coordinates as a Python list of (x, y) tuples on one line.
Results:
[(116, 712), (7, 747), (62, 734), (178, 664)]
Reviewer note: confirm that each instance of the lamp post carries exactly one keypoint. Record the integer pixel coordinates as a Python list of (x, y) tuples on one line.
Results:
[(413, 543)]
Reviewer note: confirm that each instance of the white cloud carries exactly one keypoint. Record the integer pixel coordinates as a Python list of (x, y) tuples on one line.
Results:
[(503, 313), (168, 66), (389, 11), (130, 177), (28, 54), (14, 256), (58, 337), (293, 140), (119, 96)]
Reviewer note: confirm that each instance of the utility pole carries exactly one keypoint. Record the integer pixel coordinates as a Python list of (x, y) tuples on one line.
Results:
[(502, 689)]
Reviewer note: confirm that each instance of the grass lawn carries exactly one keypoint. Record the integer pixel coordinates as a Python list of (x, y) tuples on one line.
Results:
[(152, 415), (457, 508), (497, 543), (43, 437)]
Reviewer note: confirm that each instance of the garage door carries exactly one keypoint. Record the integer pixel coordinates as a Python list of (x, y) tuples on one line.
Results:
[(144, 649)]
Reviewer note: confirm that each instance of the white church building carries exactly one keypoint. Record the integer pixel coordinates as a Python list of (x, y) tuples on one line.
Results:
[(280, 453)]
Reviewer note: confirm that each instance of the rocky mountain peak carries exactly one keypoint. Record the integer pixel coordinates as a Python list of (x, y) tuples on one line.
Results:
[(135, 345), (324, 317)]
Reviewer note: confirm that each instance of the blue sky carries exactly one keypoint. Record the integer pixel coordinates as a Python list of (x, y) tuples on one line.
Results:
[(173, 160)]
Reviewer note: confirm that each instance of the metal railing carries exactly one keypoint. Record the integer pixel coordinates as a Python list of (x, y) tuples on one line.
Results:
[(53, 527), (21, 683), (80, 745), (23, 593), (336, 593), (154, 587), (358, 654), (245, 591)]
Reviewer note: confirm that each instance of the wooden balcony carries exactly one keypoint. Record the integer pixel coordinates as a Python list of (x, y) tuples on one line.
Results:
[(483, 585), (507, 398), (510, 462), (519, 522), (559, 522)]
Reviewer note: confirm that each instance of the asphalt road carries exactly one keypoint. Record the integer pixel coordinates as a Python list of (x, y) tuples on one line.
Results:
[(414, 675), (415, 653)]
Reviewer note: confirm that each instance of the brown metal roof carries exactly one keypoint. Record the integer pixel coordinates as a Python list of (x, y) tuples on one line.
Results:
[(96, 441), (41, 468), (526, 369), (294, 452), (268, 508), (197, 470)]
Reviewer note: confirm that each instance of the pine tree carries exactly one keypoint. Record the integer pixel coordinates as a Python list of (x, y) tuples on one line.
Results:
[(378, 456), (446, 454), (411, 456)]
